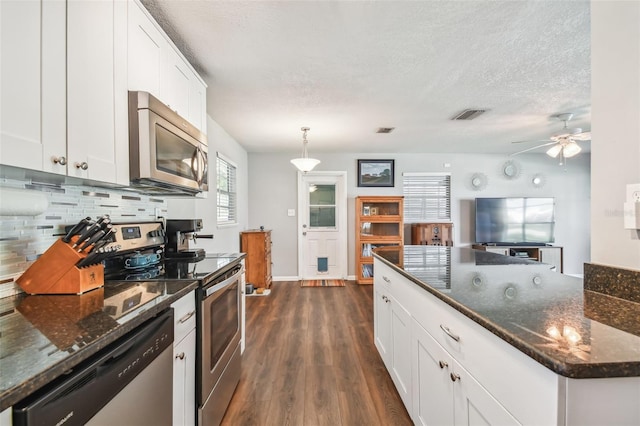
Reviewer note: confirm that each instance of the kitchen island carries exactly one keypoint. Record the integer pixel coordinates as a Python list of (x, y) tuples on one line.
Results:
[(524, 344)]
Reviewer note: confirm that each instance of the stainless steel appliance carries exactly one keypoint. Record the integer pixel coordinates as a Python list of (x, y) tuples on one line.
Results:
[(179, 233), (129, 382), (219, 345), (219, 321), (167, 154)]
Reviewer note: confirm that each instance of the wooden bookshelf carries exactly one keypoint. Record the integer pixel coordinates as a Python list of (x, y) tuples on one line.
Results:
[(379, 225)]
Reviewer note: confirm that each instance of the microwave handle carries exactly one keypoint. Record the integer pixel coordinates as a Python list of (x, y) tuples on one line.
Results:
[(205, 166)]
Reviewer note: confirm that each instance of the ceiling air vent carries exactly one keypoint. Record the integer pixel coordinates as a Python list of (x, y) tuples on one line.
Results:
[(385, 129), (469, 114)]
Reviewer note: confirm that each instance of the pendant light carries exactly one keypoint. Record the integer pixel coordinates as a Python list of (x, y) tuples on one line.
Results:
[(304, 163)]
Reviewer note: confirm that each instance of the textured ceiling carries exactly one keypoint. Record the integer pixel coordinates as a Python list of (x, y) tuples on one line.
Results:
[(345, 68)]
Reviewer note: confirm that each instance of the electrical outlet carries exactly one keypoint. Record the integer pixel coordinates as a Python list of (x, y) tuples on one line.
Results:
[(633, 192)]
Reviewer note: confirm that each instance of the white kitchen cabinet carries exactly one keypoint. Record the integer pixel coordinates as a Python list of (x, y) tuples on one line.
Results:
[(147, 52), (184, 361), (392, 335), (157, 66), (444, 393), (33, 85), (97, 111)]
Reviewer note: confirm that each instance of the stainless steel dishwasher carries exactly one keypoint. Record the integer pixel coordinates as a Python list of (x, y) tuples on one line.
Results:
[(127, 383)]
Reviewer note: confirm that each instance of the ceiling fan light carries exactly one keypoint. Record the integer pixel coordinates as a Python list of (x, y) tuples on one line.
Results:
[(304, 163), (554, 150), (571, 149)]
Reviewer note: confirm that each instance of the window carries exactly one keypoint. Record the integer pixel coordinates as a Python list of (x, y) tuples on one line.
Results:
[(427, 197), (227, 207)]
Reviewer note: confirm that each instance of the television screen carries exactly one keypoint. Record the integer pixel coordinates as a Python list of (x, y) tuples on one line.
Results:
[(515, 220)]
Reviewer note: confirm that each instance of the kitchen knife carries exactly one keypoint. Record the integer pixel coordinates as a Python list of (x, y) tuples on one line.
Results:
[(87, 233), (94, 238), (76, 229)]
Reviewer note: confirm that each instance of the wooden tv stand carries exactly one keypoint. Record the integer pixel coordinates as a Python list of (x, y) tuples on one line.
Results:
[(547, 254)]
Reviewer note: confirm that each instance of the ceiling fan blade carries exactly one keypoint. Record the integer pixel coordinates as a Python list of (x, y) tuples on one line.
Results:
[(532, 148), (539, 141), (584, 136)]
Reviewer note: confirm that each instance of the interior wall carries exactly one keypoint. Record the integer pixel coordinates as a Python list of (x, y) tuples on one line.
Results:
[(272, 191), (226, 237), (615, 128)]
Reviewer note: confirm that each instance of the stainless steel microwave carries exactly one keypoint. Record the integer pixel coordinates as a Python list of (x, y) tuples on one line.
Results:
[(167, 154)]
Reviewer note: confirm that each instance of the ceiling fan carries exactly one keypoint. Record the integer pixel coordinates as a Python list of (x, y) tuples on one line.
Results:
[(564, 143)]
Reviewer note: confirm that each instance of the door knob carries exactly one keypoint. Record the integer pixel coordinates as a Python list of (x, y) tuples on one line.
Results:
[(83, 165), (304, 233)]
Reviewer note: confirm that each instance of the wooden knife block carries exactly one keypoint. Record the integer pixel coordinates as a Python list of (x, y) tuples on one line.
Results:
[(55, 272)]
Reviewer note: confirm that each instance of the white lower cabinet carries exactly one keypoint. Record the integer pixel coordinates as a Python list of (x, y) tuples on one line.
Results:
[(392, 323), (444, 393), (184, 361), (449, 370)]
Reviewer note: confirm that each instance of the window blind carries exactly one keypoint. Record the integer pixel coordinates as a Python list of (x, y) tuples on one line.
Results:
[(427, 197), (431, 264), (226, 189)]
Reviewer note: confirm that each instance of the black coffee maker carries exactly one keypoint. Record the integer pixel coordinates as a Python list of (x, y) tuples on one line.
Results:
[(179, 233)]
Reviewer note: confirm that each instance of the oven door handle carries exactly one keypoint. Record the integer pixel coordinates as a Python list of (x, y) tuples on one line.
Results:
[(210, 290)]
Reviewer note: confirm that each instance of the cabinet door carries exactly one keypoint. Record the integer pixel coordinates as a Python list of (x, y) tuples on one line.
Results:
[(178, 84), (32, 88), (184, 380), (147, 52), (474, 405), (432, 387), (401, 351), (96, 92), (198, 104), (497, 250), (382, 324), (552, 256)]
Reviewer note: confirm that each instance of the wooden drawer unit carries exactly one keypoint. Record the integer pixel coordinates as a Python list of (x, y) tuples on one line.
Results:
[(257, 245)]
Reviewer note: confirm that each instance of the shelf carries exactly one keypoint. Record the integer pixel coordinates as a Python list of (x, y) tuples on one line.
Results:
[(378, 226)]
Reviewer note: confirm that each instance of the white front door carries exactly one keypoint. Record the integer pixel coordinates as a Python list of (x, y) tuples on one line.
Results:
[(322, 225)]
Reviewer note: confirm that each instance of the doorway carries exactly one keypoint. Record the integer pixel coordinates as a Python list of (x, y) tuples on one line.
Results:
[(322, 225)]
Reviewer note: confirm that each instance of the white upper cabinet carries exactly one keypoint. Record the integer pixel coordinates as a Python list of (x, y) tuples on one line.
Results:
[(157, 67), (147, 52), (97, 139), (32, 88)]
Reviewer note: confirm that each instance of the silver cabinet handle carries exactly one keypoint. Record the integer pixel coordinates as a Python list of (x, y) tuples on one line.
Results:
[(454, 377), (186, 317), (442, 364), (180, 355), (83, 165), (386, 279), (449, 333), (60, 160)]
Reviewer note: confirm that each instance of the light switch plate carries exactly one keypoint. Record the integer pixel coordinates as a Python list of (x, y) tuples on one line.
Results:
[(291, 212)]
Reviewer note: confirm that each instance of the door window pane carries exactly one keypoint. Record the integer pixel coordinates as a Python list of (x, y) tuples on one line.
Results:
[(322, 206)]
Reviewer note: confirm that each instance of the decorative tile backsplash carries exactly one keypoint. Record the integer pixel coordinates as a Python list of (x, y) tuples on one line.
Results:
[(24, 238)]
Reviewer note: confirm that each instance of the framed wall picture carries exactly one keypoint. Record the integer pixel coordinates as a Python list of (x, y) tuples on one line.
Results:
[(375, 173)]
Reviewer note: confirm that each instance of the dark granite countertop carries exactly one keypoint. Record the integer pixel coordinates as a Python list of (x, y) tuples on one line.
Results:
[(576, 332), (41, 337)]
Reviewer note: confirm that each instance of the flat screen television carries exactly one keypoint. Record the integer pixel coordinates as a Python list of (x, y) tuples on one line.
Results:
[(515, 220)]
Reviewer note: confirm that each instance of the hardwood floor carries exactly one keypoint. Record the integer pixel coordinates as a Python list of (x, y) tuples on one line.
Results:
[(310, 359)]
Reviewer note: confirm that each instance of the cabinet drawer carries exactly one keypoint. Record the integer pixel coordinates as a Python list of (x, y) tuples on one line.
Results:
[(184, 313), (526, 388)]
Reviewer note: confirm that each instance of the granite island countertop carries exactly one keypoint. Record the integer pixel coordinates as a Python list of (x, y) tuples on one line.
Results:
[(42, 337), (551, 317)]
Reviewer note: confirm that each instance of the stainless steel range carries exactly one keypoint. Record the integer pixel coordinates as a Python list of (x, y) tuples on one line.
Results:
[(221, 279)]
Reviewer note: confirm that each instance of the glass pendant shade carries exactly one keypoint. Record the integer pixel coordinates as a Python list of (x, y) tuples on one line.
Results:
[(304, 163), (554, 150), (571, 149)]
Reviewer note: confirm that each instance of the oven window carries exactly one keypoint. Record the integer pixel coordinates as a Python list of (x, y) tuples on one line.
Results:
[(223, 314), (173, 154)]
